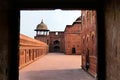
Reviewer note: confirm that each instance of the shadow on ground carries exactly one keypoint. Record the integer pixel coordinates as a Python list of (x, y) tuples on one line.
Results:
[(67, 74)]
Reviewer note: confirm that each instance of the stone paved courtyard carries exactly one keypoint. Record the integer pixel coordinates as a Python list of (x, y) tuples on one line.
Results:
[(55, 66)]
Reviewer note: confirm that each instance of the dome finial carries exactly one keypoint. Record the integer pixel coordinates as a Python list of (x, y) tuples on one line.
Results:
[(42, 21), (41, 26)]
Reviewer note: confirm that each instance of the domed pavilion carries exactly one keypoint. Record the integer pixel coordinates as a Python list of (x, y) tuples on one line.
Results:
[(42, 32), (41, 29)]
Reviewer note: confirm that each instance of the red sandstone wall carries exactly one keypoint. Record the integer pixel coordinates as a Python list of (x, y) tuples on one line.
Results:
[(30, 50), (89, 40), (59, 37), (72, 38)]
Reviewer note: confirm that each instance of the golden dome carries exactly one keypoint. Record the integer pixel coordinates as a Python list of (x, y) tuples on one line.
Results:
[(42, 26)]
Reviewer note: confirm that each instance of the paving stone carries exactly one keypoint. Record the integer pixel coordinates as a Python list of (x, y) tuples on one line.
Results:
[(55, 66)]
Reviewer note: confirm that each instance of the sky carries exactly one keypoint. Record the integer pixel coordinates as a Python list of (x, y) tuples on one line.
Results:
[(56, 20)]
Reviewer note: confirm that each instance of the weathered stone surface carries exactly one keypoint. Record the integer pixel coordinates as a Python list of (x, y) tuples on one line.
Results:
[(112, 25)]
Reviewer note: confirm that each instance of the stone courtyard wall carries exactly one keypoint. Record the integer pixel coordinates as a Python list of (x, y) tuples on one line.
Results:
[(30, 50)]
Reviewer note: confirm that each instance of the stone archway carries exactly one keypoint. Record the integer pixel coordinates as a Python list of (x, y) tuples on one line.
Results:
[(56, 46), (56, 49), (56, 42), (14, 21)]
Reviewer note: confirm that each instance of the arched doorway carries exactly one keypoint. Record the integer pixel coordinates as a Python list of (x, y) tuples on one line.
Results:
[(87, 60), (56, 46), (56, 49), (56, 42), (73, 50), (101, 38)]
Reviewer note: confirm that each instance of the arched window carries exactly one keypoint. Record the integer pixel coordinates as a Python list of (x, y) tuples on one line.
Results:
[(56, 42)]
